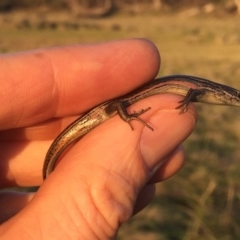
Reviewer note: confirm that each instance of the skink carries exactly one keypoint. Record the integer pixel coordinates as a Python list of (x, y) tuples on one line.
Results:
[(194, 89)]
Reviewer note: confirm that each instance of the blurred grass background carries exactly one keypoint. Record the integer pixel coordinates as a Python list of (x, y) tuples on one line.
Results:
[(203, 200)]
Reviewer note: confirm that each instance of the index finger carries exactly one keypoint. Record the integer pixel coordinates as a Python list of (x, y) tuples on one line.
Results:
[(58, 82)]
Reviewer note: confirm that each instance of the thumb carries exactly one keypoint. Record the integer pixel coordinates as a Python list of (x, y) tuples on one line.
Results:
[(94, 188)]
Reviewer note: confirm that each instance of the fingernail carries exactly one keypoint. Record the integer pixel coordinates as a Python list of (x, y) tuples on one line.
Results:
[(170, 129)]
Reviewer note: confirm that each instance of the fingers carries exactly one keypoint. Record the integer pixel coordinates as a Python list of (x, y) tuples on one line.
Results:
[(170, 166), (42, 84), (13, 202), (144, 198), (118, 163), (58, 82), (97, 183)]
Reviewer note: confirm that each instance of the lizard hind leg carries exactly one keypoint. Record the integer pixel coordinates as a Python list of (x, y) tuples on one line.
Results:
[(126, 117), (191, 96)]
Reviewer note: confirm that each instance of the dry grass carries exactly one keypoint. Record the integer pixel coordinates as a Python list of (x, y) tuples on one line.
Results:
[(203, 200)]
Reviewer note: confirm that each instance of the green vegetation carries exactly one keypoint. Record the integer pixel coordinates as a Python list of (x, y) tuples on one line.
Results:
[(203, 200)]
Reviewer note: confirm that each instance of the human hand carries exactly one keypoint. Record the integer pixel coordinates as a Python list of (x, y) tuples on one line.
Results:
[(110, 173)]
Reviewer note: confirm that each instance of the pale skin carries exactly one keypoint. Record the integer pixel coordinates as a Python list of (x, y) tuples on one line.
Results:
[(107, 176)]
